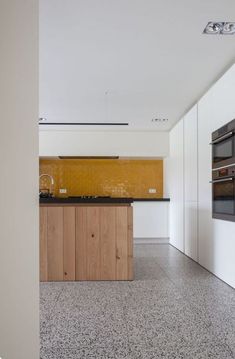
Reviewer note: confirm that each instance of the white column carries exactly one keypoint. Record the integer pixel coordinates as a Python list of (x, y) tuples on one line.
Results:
[(19, 284)]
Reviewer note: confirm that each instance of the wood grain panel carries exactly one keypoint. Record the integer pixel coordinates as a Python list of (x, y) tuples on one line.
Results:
[(93, 243), (130, 242), (81, 243), (69, 243), (121, 244), (43, 244), (107, 243), (55, 243)]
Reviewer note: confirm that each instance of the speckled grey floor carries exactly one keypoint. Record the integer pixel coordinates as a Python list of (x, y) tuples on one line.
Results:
[(173, 309)]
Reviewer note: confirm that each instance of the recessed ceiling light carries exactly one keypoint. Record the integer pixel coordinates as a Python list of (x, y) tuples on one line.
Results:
[(213, 28), (228, 28), (219, 28), (42, 119)]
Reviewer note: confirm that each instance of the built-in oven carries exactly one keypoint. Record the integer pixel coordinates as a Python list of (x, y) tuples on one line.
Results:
[(223, 193), (223, 146)]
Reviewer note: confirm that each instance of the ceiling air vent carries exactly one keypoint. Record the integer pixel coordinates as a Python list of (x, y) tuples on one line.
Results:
[(159, 120)]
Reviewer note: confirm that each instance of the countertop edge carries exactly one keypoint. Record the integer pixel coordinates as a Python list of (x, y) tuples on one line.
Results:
[(49, 201), (73, 201), (151, 199)]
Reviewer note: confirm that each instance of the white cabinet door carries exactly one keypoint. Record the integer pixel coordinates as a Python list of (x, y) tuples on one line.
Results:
[(191, 183), (190, 230), (190, 154), (176, 185), (150, 219)]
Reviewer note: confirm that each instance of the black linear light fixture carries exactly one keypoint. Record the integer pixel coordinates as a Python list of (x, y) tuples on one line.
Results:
[(219, 28), (43, 122)]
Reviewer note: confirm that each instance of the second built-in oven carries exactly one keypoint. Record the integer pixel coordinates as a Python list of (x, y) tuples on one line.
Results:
[(223, 146), (223, 193)]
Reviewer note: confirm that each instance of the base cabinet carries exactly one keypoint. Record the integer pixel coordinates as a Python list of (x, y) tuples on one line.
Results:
[(57, 243), (86, 243)]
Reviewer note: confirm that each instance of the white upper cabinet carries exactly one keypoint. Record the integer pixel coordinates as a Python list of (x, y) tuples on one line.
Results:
[(190, 154)]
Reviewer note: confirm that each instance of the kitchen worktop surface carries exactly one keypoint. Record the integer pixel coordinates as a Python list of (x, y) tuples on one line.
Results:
[(151, 199), (113, 200), (79, 200)]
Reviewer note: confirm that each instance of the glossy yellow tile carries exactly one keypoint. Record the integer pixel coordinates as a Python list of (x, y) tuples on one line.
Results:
[(116, 178)]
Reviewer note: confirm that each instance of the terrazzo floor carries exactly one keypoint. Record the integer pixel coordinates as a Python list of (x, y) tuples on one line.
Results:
[(173, 309)]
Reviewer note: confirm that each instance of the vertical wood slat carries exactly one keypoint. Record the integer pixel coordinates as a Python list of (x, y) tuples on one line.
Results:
[(43, 244), (81, 243), (130, 275), (55, 243), (69, 243), (107, 243), (121, 244), (93, 243)]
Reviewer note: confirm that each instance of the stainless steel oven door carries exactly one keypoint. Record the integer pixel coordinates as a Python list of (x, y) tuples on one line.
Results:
[(224, 198), (223, 150)]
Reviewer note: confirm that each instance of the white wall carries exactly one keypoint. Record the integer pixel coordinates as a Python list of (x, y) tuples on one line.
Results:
[(209, 241), (142, 144), (19, 266)]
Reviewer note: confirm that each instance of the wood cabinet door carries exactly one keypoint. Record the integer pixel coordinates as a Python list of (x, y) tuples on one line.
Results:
[(121, 243), (93, 243), (43, 244), (88, 243), (104, 237), (69, 243), (130, 275), (55, 270), (108, 243), (57, 243), (124, 243), (81, 243)]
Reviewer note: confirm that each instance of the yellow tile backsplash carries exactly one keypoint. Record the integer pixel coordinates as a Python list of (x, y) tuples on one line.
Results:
[(106, 177)]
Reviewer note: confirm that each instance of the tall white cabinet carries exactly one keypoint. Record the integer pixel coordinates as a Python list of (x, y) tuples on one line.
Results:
[(182, 176), (216, 237), (210, 242), (191, 184), (176, 185)]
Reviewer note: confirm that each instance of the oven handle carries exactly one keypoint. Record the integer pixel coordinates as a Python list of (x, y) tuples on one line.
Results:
[(229, 134), (223, 180)]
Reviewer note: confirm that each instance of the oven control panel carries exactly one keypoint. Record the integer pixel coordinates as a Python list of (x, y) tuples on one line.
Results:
[(223, 130), (224, 172)]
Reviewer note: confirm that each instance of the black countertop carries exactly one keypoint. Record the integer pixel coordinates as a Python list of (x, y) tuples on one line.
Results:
[(74, 200), (151, 199), (84, 200)]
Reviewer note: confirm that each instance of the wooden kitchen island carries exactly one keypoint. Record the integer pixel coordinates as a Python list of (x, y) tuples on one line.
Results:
[(86, 239)]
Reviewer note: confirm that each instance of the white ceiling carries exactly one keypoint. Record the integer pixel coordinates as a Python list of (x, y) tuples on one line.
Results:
[(129, 60)]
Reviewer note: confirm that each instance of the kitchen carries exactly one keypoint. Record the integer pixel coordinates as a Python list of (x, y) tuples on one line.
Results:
[(117, 179), (94, 205)]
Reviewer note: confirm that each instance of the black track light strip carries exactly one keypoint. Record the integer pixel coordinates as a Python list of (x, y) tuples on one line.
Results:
[(83, 124)]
